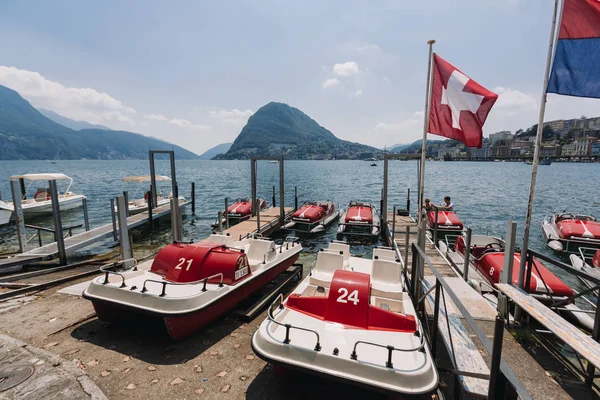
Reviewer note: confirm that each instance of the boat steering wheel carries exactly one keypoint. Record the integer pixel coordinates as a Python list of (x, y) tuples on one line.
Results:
[(566, 216), (492, 247)]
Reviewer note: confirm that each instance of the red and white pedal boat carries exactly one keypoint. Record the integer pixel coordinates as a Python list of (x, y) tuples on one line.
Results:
[(351, 320), (359, 219), (447, 221), (191, 285), (241, 210), (313, 217), (567, 232)]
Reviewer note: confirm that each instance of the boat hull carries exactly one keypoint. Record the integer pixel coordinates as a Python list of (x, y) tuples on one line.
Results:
[(557, 242), (313, 227), (181, 326), (45, 207)]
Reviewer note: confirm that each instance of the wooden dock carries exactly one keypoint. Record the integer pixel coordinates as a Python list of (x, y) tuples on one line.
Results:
[(470, 354), (269, 223), (83, 239)]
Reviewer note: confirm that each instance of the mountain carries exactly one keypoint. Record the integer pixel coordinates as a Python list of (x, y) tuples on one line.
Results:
[(26, 134), (414, 147), (69, 123), (277, 129), (215, 151)]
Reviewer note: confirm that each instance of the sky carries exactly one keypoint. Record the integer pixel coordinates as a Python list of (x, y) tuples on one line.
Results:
[(193, 72)]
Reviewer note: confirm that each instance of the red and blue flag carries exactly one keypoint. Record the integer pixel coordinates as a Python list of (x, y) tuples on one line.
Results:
[(576, 66)]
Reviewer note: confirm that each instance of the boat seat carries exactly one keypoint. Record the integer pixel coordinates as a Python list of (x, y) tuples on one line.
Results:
[(257, 250), (219, 239), (343, 247), (386, 279), (327, 263), (384, 254)]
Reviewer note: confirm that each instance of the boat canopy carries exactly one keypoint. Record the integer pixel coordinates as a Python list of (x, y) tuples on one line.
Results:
[(145, 178), (40, 177)]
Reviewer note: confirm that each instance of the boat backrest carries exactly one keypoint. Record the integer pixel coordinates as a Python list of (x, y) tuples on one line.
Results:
[(219, 239), (385, 271), (258, 248), (328, 262), (335, 247), (384, 254)]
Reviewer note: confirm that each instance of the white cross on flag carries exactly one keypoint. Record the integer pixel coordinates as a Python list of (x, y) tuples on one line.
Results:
[(459, 105)]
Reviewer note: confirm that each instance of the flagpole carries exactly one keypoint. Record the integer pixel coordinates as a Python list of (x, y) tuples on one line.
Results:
[(538, 144), (425, 128)]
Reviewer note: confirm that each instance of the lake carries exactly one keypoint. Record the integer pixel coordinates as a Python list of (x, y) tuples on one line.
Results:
[(486, 194)]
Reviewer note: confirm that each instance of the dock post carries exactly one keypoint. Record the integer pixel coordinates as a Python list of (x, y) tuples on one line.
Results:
[(274, 202), (153, 191), (281, 192), (467, 255), (507, 269), (174, 187), (58, 235), (408, 202), (295, 197), (384, 191), (113, 219), (226, 213), (435, 228), (406, 244), (496, 387), (176, 220), (23, 190), (150, 204), (591, 370), (255, 207), (193, 196), (220, 222), (257, 217), (126, 249), (21, 233), (86, 219), (394, 223), (126, 195), (381, 213), (436, 315)]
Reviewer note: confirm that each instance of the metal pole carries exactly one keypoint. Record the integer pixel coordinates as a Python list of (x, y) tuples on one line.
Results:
[(126, 195), (381, 205), (596, 336), (257, 218), (281, 192), (60, 241), (436, 315), (226, 213), (174, 188), (295, 197), (425, 128), (467, 255), (274, 202), (536, 155), (507, 270), (253, 185), (126, 249), (394, 223), (114, 220), (496, 389), (18, 211), (220, 222), (435, 227), (154, 195), (175, 220), (406, 239), (193, 196), (23, 190), (86, 219), (150, 205), (384, 204), (408, 202)]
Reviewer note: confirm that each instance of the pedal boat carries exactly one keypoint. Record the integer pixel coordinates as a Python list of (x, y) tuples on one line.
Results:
[(350, 320), (567, 232), (190, 285), (447, 221), (240, 210), (360, 219), (588, 264), (313, 217)]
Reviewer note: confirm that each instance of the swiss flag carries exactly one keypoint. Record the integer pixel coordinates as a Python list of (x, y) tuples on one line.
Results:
[(458, 106)]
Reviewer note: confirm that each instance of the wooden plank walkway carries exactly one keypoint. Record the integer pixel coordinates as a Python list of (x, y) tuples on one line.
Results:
[(269, 222), (84, 239), (583, 344)]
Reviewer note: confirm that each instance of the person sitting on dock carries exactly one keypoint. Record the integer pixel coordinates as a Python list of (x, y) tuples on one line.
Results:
[(446, 205), (427, 206)]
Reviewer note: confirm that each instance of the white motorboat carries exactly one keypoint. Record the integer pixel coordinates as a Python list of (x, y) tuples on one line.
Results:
[(41, 204), (360, 219), (313, 217), (567, 232), (190, 285), (139, 205), (350, 320)]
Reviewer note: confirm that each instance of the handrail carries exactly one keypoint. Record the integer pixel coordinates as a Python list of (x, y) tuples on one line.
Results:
[(165, 283), (565, 267), (504, 367), (289, 327), (104, 269), (390, 348)]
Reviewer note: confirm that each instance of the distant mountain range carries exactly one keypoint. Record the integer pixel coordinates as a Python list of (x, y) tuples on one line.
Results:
[(215, 151), (278, 129), (414, 147), (69, 123), (26, 134)]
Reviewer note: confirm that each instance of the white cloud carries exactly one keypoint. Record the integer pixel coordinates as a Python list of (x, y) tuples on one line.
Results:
[(234, 117), (358, 93), (182, 123), (77, 103), (331, 83), (346, 69), (387, 80), (511, 98)]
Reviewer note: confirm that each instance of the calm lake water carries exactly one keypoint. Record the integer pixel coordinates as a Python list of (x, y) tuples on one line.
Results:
[(486, 195)]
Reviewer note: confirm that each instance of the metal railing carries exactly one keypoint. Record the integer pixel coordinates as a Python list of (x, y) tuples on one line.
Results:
[(288, 327), (164, 284)]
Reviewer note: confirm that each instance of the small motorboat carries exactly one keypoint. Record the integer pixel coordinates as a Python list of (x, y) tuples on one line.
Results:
[(190, 285), (487, 258), (545, 162), (313, 217), (140, 205), (567, 232), (41, 204), (360, 219), (587, 264), (447, 221), (373, 164), (350, 320)]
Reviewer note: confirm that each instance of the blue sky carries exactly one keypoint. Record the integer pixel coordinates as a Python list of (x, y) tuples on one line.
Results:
[(192, 72)]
